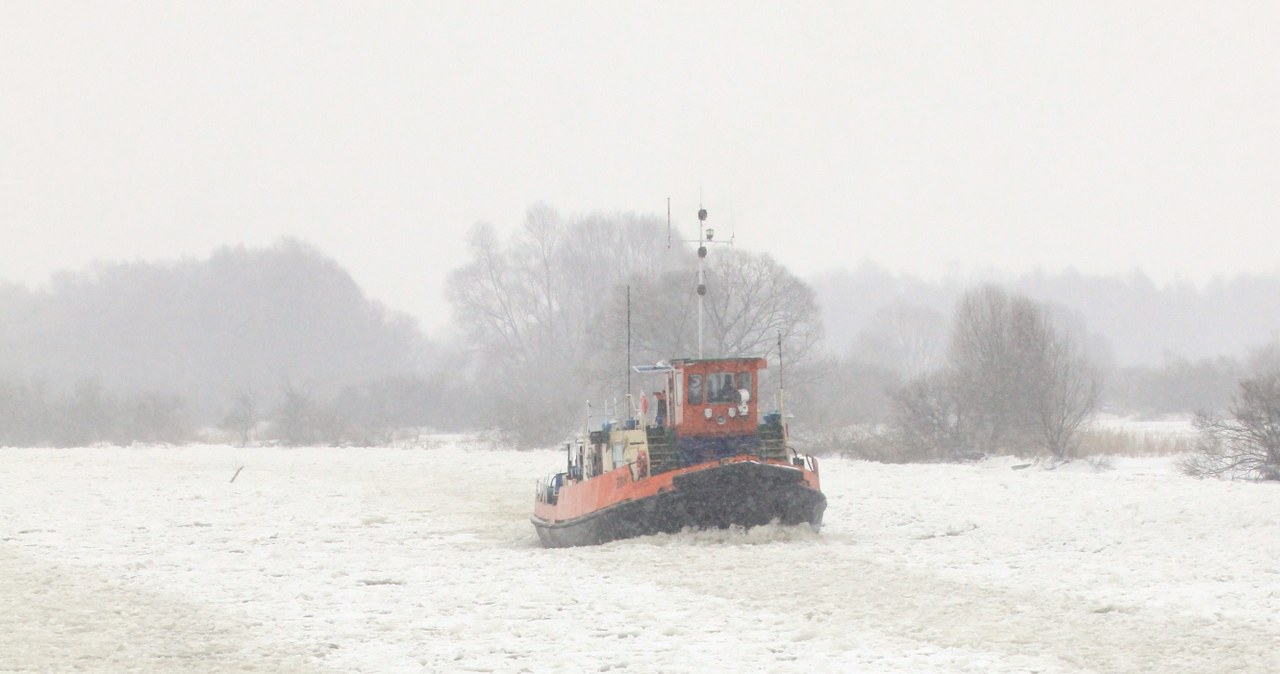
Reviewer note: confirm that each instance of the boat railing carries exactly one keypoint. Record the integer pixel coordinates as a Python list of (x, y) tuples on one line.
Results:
[(548, 490), (806, 461)]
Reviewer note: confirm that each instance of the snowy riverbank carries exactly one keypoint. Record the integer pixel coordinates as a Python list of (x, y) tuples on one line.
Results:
[(406, 560)]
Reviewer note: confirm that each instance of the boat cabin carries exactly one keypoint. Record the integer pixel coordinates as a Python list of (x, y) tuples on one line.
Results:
[(709, 408), (714, 396)]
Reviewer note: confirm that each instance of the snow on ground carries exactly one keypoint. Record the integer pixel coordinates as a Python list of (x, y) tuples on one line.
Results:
[(409, 560)]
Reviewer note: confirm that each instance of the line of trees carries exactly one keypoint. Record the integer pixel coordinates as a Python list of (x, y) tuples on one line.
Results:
[(146, 352), (33, 414), (1012, 375), (543, 315), (206, 330), (280, 345)]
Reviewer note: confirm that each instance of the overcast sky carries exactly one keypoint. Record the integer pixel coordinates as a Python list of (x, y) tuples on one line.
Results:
[(925, 137)]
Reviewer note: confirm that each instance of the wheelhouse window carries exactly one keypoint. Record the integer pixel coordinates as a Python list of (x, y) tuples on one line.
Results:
[(695, 389), (721, 389)]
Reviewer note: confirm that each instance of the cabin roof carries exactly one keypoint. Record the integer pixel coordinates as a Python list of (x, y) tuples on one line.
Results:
[(738, 359)]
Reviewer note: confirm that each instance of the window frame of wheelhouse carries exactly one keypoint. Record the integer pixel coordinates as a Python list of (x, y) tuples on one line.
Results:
[(690, 416)]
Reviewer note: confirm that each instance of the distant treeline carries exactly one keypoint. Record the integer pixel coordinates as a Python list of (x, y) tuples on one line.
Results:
[(369, 414), (151, 352), (281, 345), (1160, 350), (1135, 321)]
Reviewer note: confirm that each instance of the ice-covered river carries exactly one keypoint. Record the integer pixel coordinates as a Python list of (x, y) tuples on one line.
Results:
[(408, 560)]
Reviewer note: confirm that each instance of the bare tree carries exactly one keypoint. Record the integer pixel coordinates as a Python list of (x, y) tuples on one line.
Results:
[(484, 297), (242, 417), (1017, 378), (1068, 392), (994, 367), (750, 299), (298, 420), (1246, 445), (928, 422), (531, 311)]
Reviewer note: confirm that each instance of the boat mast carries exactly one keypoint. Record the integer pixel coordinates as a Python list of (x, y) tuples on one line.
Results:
[(629, 409), (702, 277), (782, 409), (705, 236)]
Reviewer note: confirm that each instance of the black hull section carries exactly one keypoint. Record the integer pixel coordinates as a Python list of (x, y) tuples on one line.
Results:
[(745, 494)]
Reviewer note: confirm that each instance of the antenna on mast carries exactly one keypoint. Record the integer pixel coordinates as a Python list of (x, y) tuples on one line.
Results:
[(668, 223)]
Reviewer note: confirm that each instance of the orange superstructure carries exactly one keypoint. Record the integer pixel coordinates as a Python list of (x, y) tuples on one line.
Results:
[(716, 397)]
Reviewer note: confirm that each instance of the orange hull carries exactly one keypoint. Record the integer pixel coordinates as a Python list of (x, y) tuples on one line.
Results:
[(742, 490)]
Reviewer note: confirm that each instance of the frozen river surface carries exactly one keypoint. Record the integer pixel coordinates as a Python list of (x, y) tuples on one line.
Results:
[(423, 560)]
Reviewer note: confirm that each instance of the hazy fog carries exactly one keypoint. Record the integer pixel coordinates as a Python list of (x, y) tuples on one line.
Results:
[(1113, 162), (925, 138), (1134, 320)]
